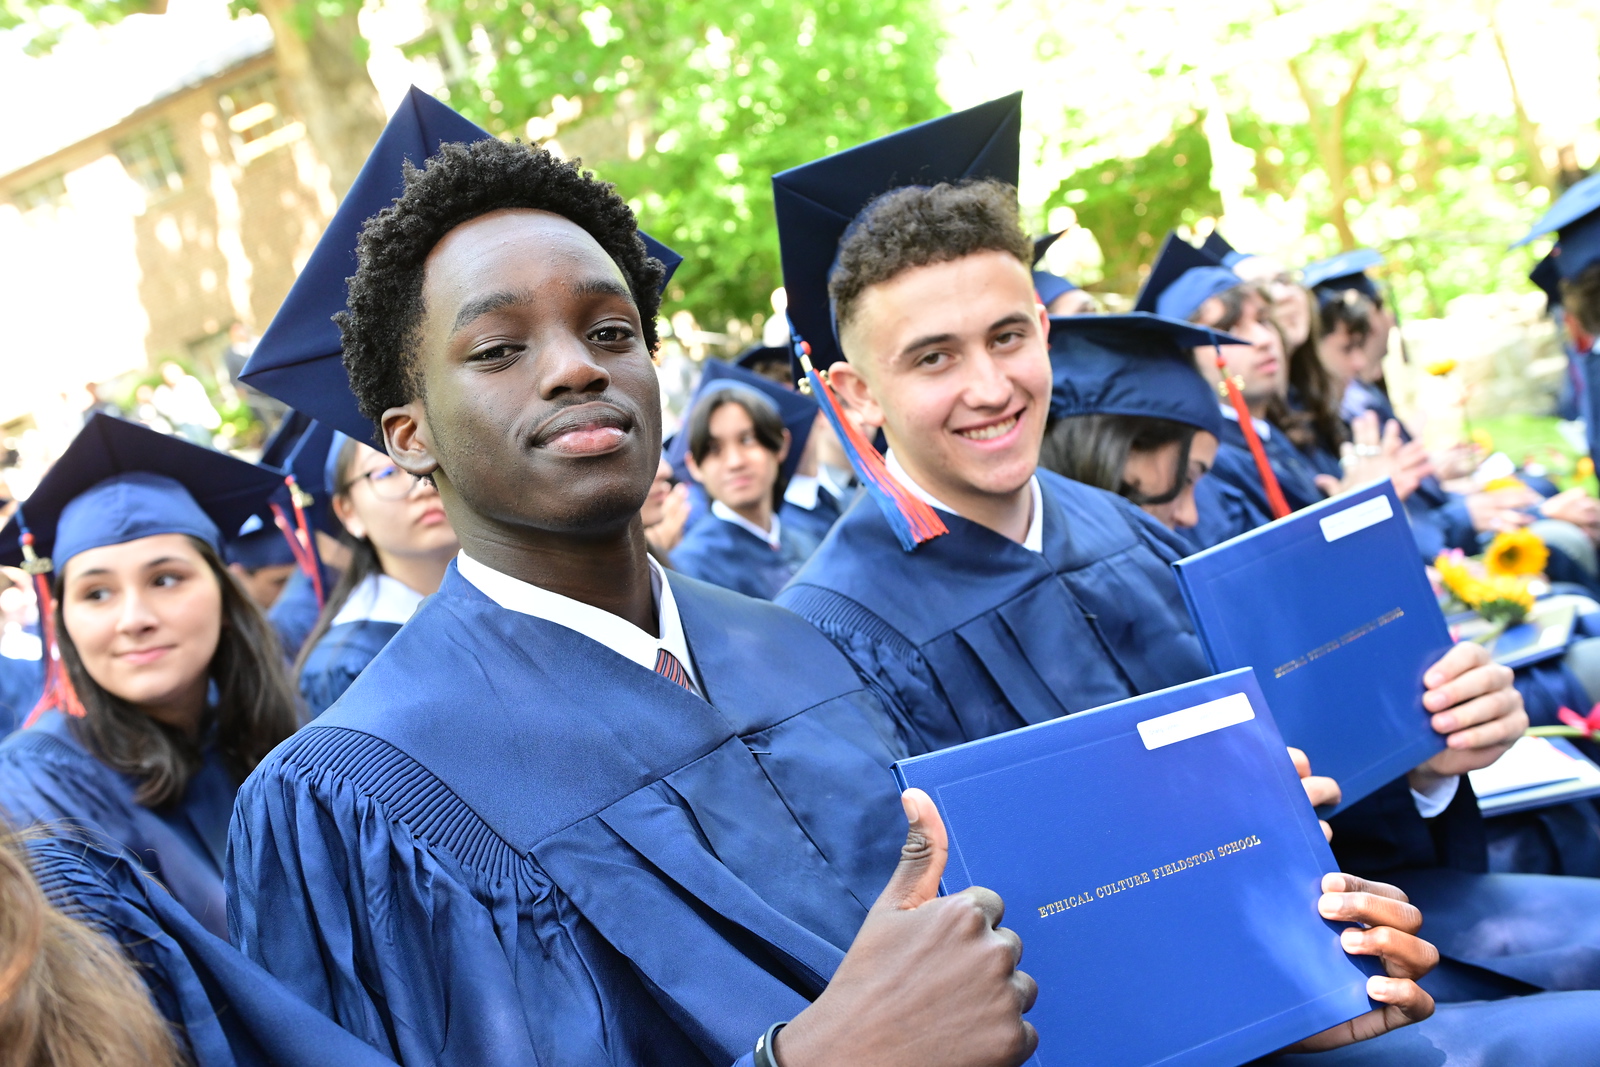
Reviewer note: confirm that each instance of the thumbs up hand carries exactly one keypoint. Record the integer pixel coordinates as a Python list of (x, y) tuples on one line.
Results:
[(929, 981)]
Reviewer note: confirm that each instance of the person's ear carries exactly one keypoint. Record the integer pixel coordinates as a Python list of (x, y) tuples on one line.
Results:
[(344, 510), (694, 468), (783, 453), (408, 439), (1582, 338), (855, 393)]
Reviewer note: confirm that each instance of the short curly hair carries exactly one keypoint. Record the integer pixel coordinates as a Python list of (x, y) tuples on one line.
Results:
[(919, 225), (383, 314)]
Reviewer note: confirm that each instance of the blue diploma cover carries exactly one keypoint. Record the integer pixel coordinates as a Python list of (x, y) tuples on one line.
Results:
[(1333, 609), (1162, 866)]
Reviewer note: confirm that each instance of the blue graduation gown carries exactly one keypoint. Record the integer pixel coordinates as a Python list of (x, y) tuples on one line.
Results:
[(47, 776), (972, 635), (506, 844), (224, 1010), (341, 654), (1236, 467), (814, 522), (724, 554), (21, 684), (1223, 512), (294, 613)]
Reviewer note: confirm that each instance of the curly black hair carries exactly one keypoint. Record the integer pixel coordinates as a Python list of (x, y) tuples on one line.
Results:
[(918, 225), (384, 311)]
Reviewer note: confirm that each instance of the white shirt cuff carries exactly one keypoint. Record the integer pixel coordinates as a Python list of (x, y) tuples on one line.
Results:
[(1435, 800)]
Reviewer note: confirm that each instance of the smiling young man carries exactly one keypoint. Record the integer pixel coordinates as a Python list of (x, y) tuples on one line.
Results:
[(1047, 597), (737, 444), (580, 811)]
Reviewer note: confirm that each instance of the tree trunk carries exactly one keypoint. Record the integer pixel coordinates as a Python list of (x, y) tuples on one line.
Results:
[(322, 61), (1327, 131), (1527, 129)]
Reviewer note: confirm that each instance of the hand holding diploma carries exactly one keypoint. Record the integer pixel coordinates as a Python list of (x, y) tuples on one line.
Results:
[(1473, 704), (929, 981), (1390, 924), (1322, 792)]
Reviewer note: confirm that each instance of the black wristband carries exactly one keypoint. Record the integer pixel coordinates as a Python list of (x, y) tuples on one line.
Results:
[(764, 1055)]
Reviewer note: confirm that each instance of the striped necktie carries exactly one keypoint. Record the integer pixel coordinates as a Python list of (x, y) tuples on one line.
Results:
[(668, 667)]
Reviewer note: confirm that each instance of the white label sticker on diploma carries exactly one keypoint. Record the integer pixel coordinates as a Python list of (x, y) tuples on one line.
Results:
[(1346, 522), (1178, 726)]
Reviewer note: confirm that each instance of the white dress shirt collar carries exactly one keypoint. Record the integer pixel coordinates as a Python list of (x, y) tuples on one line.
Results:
[(380, 598), (1263, 427), (802, 491), (727, 514), (1033, 542), (612, 631)]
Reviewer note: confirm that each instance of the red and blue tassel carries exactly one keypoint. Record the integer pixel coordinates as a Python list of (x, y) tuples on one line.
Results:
[(911, 518)]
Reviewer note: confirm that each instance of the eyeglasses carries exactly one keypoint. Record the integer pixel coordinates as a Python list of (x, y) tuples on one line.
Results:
[(390, 482)]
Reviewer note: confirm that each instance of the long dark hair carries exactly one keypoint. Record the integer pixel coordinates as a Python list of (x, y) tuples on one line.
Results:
[(364, 563), (1300, 427), (1094, 449), (1309, 379), (255, 709)]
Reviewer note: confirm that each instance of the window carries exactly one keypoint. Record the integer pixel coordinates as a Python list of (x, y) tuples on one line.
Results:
[(255, 117), (151, 159), (45, 195)]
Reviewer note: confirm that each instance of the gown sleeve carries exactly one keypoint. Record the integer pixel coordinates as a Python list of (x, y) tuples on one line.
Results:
[(326, 892)]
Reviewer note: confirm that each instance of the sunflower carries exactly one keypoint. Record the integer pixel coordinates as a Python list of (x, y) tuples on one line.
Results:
[(1457, 577), (1516, 552), (1508, 482), (1504, 599), (1440, 367)]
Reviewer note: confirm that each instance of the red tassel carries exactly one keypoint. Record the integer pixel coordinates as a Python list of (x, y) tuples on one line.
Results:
[(299, 536), (1269, 480), (58, 690)]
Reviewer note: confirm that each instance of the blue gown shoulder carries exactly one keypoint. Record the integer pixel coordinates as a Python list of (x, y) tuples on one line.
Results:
[(971, 634), (734, 558), (48, 778), (21, 685), (295, 612), (339, 657)]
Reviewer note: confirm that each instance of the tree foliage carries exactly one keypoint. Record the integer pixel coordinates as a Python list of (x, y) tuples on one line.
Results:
[(691, 108)]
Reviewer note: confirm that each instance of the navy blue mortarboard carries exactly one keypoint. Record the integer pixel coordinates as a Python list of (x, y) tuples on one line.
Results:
[(1347, 270), (816, 202), (1575, 217), (1547, 276), (1135, 364), (1050, 286), (298, 359), (1220, 250), (759, 355), (798, 412), (119, 481), (258, 544), (1181, 279), (300, 447)]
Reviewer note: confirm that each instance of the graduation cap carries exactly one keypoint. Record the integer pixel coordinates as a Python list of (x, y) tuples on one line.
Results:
[(299, 448), (1134, 364), (1220, 250), (259, 544), (760, 356), (298, 359), (1181, 279), (1547, 276), (798, 412), (1575, 218), (118, 482), (1051, 287), (1347, 270), (816, 202)]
